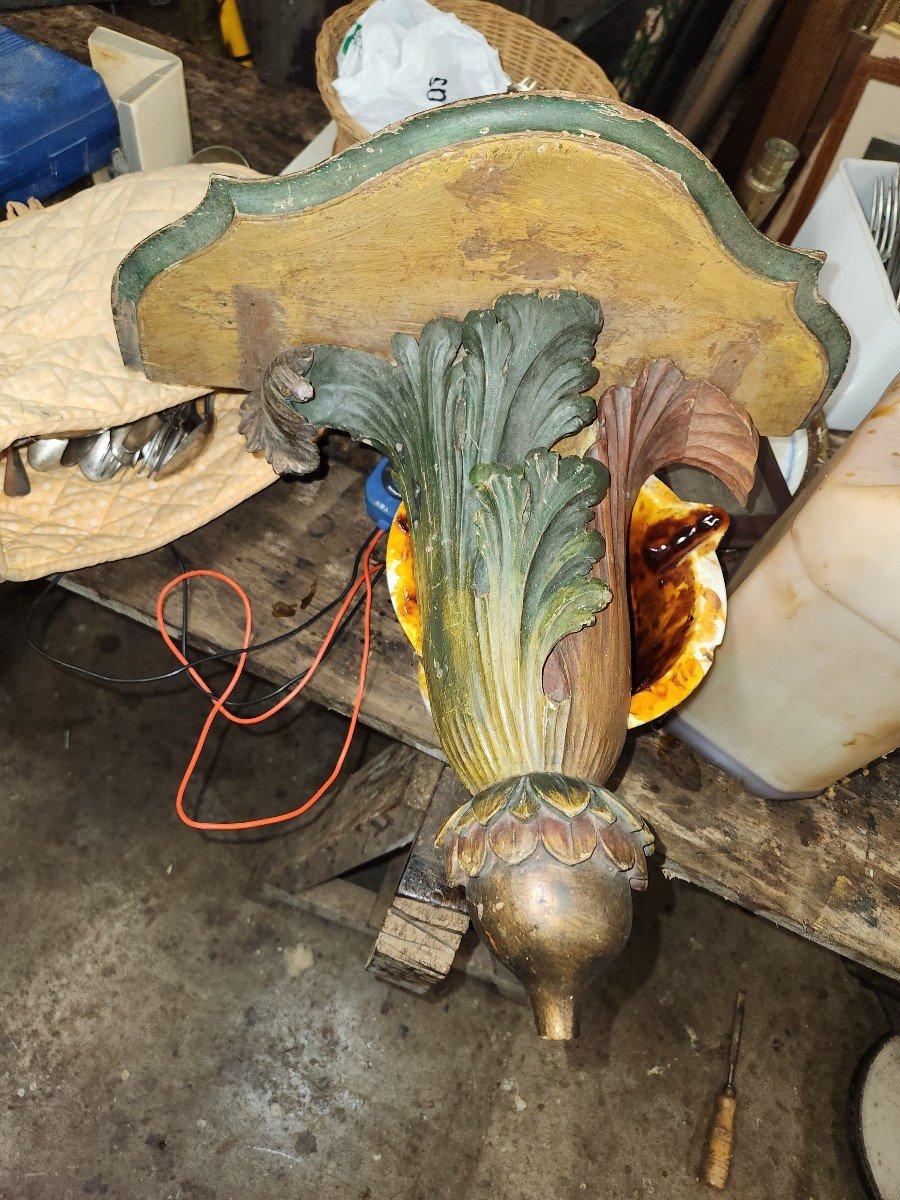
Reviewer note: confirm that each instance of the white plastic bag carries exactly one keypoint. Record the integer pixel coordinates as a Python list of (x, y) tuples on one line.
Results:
[(403, 56)]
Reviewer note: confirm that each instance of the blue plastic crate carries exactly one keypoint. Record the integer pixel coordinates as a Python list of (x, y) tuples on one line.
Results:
[(57, 122)]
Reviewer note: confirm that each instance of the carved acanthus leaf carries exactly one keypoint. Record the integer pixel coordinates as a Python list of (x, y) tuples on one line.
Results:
[(269, 422), (502, 556), (665, 419), (531, 358), (532, 585), (480, 834)]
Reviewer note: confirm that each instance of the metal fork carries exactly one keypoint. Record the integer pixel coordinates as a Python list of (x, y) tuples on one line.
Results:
[(885, 218)]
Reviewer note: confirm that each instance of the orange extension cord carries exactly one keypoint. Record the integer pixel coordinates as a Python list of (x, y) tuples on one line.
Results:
[(219, 701)]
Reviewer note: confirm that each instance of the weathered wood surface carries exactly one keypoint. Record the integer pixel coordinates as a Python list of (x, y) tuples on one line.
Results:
[(417, 944), (423, 932), (301, 536), (228, 104), (516, 195), (424, 878), (376, 811), (425, 922), (827, 868)]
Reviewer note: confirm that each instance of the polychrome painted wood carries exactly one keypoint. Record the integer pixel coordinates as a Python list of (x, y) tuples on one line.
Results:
[(519, 552), (456, 206), (519, 561)]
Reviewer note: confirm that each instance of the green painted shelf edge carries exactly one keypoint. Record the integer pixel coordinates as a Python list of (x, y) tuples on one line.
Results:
[(467, 121)]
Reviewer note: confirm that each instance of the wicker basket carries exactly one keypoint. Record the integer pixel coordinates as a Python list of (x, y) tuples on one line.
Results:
[(525, 49)]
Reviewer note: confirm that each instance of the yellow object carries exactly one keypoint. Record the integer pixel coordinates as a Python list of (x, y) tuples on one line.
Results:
[(721, 1142), (720, 1147), (514, 212), (232, 29)]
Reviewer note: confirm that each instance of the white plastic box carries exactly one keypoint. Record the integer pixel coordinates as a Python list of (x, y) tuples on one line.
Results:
[(854, 281)]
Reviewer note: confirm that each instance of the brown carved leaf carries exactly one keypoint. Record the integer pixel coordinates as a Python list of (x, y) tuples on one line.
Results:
[(512, 840), (456, 877), (272, 426), (472, 847), (639, 875), (666, 418), (569, 841), (618, 845)]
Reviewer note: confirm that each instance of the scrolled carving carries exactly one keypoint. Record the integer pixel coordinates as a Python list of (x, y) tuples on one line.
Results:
[(664, 419), (269, 422)]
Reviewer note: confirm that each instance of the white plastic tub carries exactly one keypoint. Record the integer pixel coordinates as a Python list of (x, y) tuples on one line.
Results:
[(854, 280), (806, 685)]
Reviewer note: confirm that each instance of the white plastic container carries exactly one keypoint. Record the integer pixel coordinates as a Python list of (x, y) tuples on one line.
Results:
[(854, 280), (806, 685)]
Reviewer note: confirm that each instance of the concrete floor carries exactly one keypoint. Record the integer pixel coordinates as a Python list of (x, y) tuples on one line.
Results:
[(164, 1038)]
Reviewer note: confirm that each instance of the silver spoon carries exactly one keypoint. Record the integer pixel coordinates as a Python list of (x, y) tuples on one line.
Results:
[(46, 453), (77, 449), (168, 448), (116, 445), (139, 432), (149, 451), (96, 463), (193, 444)]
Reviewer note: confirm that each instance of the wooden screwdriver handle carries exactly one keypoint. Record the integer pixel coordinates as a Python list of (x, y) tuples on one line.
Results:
[(721, 1140)]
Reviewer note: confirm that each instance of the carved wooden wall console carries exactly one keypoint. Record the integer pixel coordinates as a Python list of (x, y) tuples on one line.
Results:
[(530, 305)]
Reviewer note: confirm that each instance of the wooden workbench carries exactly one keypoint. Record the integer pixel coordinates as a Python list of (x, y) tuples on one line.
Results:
[(827, 868)]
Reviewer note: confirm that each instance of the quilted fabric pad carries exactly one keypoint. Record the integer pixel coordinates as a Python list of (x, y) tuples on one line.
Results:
[(60, 369)]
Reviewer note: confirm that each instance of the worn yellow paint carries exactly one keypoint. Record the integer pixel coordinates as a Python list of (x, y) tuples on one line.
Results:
[(452, 230)]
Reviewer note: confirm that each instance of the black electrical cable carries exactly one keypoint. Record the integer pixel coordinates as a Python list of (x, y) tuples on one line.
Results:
[(183, 633), (284, 687)]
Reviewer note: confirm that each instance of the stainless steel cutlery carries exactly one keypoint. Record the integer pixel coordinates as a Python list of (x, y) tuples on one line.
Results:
[(159, 445)]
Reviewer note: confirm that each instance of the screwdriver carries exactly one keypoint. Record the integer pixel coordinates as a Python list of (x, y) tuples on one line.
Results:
[(721, 1139)]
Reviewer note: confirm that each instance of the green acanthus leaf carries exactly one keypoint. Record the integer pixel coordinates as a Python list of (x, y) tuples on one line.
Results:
[(467, 414), (530, 358), (533, 577)]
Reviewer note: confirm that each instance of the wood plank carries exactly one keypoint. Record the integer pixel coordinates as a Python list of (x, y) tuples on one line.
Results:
[(350, 905), (425, 879), (826, 867), (336, 900), (424, 925), (281, 544), (417, 944), (228, 104), (374, 813), (387, 891)]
